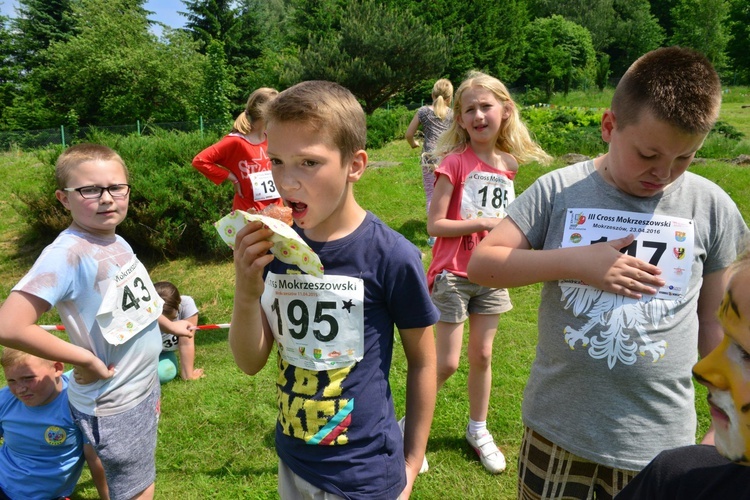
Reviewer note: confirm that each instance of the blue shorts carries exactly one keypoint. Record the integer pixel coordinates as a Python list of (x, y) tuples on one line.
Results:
[(126, 445), (456, 297)]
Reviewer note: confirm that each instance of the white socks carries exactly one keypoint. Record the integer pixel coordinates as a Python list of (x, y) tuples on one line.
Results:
[(477, 428)]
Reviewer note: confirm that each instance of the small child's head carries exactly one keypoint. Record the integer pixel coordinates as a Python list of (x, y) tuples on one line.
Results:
[(71, 159), (679, 86), (34, 381), (326, 108), (442, 96), (171, 296), (252, 117), (725, 371), (92, 182), (317, 134), (476, 92)]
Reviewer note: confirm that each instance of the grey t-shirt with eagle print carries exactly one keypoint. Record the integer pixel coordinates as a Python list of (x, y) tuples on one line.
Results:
[(611, 381)]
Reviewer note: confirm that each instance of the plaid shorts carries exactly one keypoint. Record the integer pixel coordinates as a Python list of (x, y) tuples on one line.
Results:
[(547, 471)]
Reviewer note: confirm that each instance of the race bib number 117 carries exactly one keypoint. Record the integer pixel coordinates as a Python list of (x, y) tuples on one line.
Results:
[(664, 241)]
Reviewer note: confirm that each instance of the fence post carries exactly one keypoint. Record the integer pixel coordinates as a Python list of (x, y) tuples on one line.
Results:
[(138, 124), (62, 135), (201, 126)]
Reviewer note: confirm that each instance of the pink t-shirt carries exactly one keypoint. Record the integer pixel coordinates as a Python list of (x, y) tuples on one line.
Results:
[(479, 190)]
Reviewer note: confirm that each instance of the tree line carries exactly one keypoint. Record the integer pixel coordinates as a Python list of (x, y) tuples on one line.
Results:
[(98, 62)]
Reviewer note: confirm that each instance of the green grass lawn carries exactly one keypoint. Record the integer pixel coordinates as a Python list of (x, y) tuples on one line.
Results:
[(216, 434)]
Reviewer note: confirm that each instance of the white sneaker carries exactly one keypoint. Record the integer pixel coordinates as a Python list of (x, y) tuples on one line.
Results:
[(489, 454), (425, 467)]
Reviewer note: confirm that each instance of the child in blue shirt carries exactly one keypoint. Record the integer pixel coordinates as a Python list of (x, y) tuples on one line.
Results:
[(337, 434), (43, 451)]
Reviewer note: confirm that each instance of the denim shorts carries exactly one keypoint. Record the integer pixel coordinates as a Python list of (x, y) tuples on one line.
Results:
[(457, 297), (126, 445)]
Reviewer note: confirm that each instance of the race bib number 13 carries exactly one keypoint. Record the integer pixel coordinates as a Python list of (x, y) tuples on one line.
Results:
[(264, 187)]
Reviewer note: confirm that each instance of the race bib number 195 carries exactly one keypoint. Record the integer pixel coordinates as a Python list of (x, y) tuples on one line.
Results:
[(317, 322)]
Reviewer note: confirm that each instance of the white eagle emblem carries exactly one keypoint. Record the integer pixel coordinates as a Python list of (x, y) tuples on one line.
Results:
[(620, 317)]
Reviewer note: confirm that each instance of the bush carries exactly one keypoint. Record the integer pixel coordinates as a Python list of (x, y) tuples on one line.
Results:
[(727, 130), (566, 130), (386, 125), (532, 96), (172, 206)]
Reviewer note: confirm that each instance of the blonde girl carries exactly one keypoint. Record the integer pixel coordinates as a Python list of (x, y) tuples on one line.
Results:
[(480, 154), (240, 157), (434, 119)]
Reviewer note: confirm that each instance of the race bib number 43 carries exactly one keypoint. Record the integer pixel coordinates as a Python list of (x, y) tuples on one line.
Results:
[(318, 323), (664, 241), (129, 304)]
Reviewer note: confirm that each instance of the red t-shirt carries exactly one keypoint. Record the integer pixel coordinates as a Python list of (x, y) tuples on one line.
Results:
[(234, 153)]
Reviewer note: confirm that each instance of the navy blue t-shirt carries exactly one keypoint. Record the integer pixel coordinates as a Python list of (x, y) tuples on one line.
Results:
[(337, 428)]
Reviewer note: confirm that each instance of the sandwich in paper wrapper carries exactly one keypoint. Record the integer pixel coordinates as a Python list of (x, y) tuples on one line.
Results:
[(288, 247)]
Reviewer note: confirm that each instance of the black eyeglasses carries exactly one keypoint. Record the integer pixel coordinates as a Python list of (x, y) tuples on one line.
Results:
[(94, 192)]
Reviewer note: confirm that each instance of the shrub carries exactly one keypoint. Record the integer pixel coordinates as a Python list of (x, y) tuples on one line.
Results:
[(172, 206), (386, 125), (566, 130), (727, 130), (533, 96)]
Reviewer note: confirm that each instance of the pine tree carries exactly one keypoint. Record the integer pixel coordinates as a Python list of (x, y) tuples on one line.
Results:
[(38, 25)]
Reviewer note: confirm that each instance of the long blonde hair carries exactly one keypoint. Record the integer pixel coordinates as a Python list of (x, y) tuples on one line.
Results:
[(442, 95), (253, 109), (513, 136)]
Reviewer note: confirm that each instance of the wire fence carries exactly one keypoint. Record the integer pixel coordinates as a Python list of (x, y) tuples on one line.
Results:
[(33, 139)]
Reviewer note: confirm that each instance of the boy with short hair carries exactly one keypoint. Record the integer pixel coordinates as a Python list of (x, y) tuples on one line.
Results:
[(632, 250), (41, 456), (337, 433), (109, 308)]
